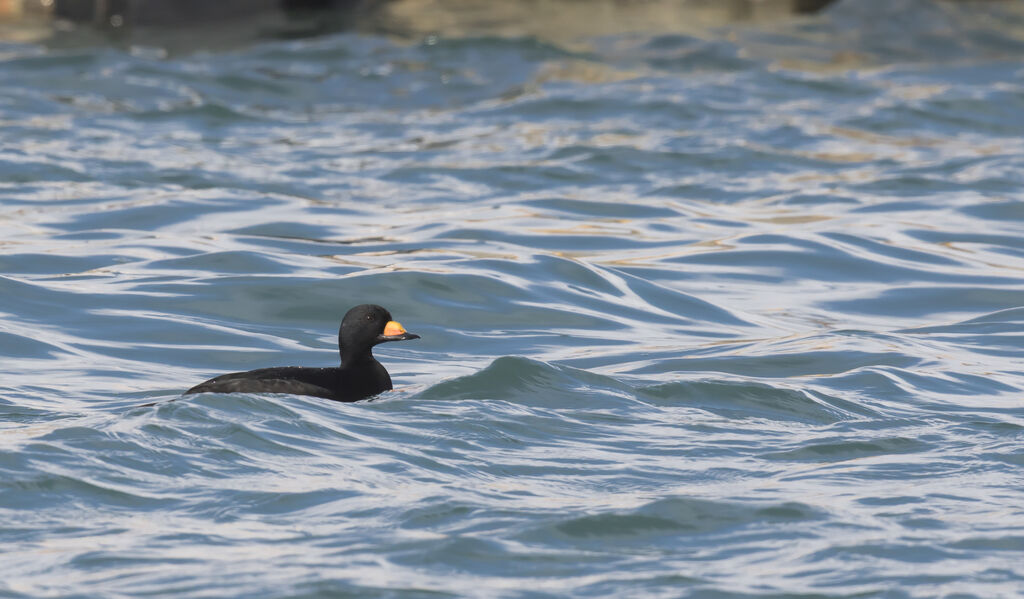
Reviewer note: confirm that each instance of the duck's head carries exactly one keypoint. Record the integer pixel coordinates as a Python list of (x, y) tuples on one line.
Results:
[(367, 325)]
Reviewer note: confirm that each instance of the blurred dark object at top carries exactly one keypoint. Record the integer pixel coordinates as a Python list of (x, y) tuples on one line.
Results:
[(173, 13), (156, 13), (810, 6)]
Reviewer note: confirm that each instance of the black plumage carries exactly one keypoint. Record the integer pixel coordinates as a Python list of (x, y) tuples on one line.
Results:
[(359, 376)]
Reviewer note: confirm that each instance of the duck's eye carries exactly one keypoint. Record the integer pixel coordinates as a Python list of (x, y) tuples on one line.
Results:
[(369, 317)]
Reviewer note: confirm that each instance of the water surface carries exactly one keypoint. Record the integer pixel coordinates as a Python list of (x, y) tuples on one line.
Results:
[(734, 313)]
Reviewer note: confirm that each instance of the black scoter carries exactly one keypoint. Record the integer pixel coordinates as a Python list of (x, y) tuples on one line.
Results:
[(359, 376)]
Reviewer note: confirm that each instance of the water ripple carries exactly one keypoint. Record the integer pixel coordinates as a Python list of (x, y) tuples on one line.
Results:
[(726, 312)]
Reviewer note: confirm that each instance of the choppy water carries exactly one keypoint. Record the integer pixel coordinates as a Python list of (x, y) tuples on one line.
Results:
[(738, 314)]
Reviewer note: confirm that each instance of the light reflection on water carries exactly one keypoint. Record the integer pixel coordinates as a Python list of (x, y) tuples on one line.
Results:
[(733, 312)]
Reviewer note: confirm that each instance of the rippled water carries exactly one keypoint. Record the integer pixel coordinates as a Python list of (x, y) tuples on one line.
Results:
[(738, 314)]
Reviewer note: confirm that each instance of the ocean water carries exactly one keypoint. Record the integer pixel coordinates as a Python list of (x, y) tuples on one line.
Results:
[(736, 312)]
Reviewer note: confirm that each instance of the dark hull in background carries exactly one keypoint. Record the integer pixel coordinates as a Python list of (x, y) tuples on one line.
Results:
[(153, 13), (210, 24)]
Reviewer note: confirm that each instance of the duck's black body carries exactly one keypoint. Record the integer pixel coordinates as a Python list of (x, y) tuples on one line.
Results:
[(359, 376)]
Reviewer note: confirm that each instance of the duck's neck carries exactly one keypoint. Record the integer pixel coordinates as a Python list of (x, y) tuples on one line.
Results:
[(356, 360)]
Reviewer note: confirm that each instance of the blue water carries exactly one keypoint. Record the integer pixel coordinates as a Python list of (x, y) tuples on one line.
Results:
[(730, 313)]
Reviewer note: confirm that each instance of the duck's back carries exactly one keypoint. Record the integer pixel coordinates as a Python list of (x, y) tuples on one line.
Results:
[(295, 380), (339, 384)]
